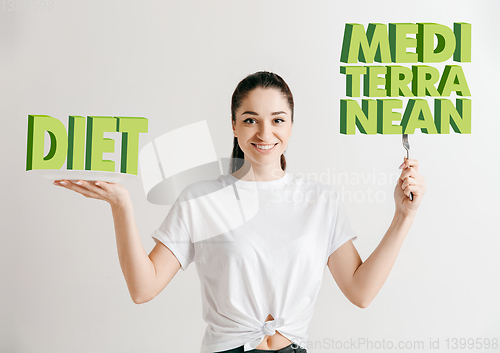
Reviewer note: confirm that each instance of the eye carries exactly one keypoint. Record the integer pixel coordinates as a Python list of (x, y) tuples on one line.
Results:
[(252, 121)]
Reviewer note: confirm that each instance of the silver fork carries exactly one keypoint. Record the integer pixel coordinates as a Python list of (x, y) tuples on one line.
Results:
[(406, 145)]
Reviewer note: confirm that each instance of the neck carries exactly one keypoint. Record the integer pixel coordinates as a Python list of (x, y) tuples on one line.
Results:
[(253, 172)]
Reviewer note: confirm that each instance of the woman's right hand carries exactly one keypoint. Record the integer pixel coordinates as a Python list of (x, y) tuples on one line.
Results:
[(114, 194)]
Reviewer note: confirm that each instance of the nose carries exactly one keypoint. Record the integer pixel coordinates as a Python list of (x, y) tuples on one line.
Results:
[(265, 132)]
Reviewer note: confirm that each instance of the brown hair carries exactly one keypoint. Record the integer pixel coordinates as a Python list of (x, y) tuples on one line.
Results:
[(260, 79)]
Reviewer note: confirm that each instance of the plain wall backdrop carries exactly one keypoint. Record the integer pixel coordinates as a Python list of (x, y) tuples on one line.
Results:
[(178, 62)]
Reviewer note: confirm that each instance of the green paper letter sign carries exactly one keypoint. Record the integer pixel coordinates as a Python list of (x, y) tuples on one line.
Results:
[(37, 126), (411, 43), (84, 150)]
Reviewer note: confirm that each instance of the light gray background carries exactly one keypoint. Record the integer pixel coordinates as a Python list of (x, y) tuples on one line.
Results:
[(178, 62)]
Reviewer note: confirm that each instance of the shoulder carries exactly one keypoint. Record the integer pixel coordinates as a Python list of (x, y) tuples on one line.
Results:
[(202, 188)]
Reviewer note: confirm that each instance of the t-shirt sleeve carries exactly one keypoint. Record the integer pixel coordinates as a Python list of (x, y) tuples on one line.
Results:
[(342, 230), (175, 235)]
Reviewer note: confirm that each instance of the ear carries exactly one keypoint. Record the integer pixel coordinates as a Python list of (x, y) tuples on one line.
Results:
[(234, 130)]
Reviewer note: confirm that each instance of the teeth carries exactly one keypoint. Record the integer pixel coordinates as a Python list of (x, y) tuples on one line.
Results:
[(264, 147)]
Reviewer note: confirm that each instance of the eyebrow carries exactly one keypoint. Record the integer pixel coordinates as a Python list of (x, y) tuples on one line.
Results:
[(254, 113)]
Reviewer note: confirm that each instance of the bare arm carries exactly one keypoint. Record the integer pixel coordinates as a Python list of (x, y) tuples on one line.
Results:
[(146, 275), (361, 281)]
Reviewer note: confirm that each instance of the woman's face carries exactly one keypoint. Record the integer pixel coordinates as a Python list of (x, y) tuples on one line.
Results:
[(263, 120)]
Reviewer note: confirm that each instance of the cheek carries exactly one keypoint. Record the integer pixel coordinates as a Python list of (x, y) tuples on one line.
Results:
[(287, 134), (243, 132), (248, 130)]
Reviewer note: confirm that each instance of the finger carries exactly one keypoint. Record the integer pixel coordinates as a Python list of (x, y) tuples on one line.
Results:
[(409, 163), (409, 172), (60, 183), (107, 183), (81, 190), (407, 182), (410, 188), (102, 184), (406, 191), (411, 182), (414, 181), (417, 189), (91, 186)]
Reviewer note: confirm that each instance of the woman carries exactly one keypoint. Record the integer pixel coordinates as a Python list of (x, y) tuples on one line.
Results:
[(260, 278)]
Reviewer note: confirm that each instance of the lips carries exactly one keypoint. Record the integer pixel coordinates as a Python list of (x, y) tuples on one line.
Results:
[(264, 144), (264, 151)]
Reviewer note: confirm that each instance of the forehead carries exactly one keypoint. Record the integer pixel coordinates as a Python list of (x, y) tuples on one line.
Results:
[(265, 100)]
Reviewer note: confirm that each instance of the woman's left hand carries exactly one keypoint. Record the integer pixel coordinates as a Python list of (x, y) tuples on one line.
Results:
[(409, 181)]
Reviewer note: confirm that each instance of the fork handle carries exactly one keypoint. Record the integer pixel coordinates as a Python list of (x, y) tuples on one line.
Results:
[(408, 157)]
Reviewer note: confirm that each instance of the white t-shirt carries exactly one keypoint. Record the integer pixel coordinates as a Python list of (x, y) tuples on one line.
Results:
[(260, 248)]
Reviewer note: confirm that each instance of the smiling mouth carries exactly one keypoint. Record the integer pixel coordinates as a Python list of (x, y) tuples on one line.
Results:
[(264, 147)]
